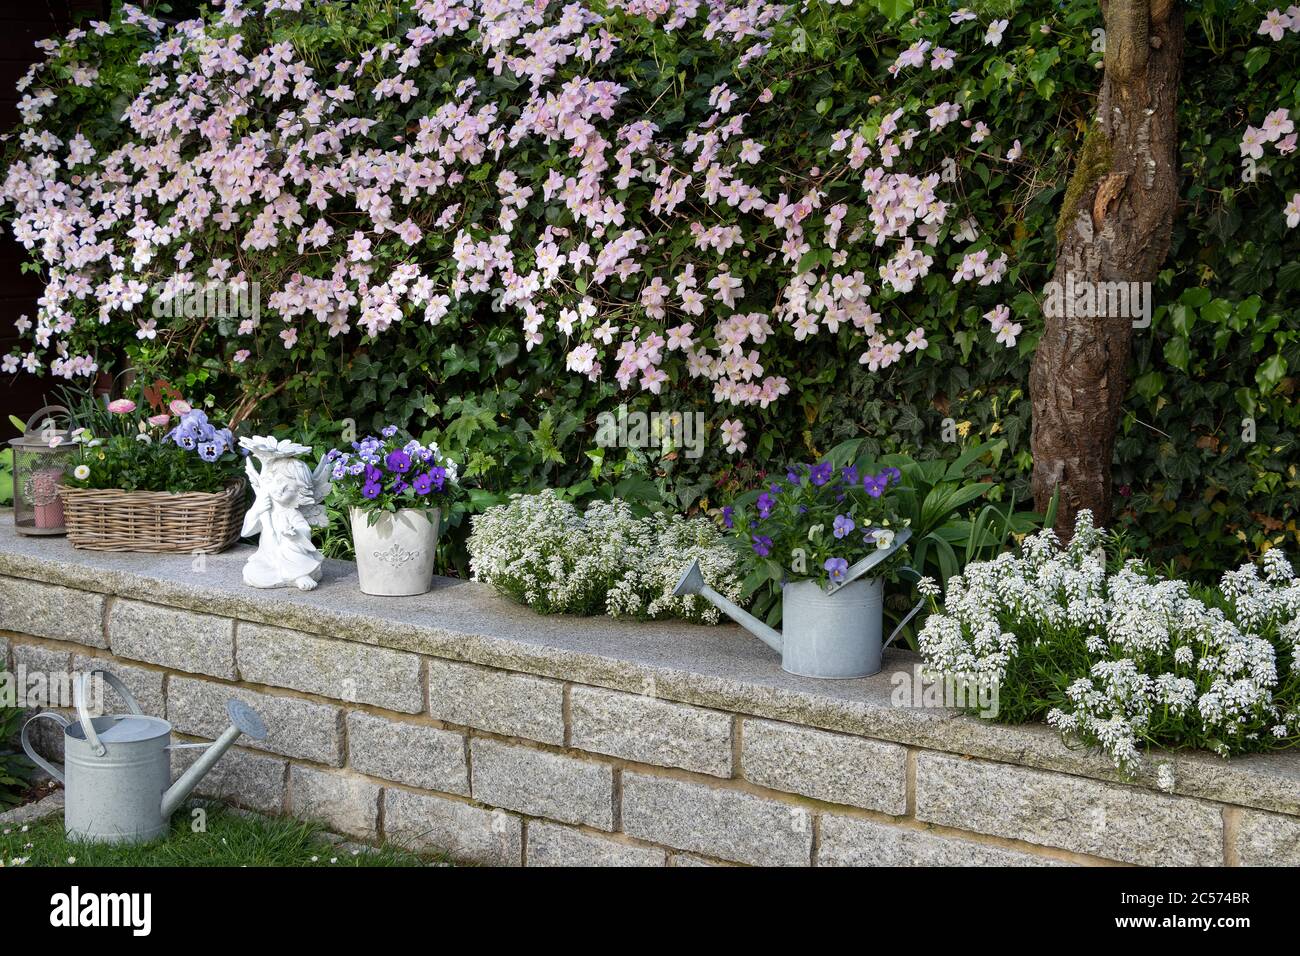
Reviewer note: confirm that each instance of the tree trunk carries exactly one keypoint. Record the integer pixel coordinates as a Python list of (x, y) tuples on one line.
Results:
[(1115, 227)]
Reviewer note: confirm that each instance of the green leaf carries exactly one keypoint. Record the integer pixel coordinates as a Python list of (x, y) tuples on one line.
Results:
[(1149, 385), (1271, 372), (1256, 59), (1178, 353), (1217, 311), (895, 9)]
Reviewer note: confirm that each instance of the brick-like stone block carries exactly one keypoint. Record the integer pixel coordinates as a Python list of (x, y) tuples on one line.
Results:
[(648, 730), (182, 640), (343, 802), (146, 686), (296, 728), (1268, 839), (343, 670), (242, 777), (550, 844), (4, 653), (1073, 813), (849, 841), (718, 822), (838, 768), (542, 784), (48, 610), (413, 754), (424, 823), (502, 702), (43, 675)]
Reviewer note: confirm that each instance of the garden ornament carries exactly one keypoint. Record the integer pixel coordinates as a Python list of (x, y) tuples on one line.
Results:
[(116, 771), (289, 502), (41, 455), (831, 631)]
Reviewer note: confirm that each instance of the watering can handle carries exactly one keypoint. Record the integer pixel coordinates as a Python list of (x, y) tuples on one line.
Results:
[(83, 713), (40, 415), (903, 623), (54, 771)]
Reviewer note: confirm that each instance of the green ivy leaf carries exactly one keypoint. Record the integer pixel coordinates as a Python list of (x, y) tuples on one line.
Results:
[(1271, 372), (1178, 353), (1256, 59)]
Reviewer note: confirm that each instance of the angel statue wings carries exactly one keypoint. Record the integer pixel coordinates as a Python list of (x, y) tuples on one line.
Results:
[(289, 502)]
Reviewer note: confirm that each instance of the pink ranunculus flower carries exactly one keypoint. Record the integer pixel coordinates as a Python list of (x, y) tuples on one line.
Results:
[(121, 406), (159, 420), (180, 407)]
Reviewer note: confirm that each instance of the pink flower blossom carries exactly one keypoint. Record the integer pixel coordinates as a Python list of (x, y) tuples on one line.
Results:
[(733, 437)]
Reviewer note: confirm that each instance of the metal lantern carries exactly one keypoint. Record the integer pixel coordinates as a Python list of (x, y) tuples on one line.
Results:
[(42, 455)]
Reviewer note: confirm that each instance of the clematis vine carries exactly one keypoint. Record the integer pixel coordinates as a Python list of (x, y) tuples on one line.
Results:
[(492, 154)]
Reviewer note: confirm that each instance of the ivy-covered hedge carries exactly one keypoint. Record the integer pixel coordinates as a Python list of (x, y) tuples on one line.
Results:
[(496, 220)]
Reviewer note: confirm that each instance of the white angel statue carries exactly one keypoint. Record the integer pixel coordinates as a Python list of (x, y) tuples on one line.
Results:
[(289, 502)]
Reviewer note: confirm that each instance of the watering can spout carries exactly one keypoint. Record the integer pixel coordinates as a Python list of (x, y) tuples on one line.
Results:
[(243, 721), (692, 582)]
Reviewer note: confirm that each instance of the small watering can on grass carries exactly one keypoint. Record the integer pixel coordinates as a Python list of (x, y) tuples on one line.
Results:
[(117, 768), (830, 632)]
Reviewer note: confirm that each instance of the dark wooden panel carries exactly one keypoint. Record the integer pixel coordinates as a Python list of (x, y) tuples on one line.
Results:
[(22, 23)]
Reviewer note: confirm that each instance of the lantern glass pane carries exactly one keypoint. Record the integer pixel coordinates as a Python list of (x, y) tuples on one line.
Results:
[(38, 472)]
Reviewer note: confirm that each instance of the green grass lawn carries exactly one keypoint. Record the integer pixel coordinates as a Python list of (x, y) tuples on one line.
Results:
[(229, 838)]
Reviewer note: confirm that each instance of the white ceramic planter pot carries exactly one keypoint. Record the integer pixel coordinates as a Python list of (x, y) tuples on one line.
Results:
[(395, 554)]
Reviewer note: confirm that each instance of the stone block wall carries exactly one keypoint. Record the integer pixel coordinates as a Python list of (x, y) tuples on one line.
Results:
[(498, 765)]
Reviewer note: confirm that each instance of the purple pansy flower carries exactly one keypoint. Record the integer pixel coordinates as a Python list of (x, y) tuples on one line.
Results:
[(821, 473), (836, 568), (764, 504), (727, 518), (875, 485), (371, 489), (843, 525), (762, 545), (398, 461)]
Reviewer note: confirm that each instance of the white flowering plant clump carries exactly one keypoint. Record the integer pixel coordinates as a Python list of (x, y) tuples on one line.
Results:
[(1123, 658), (542, 551)]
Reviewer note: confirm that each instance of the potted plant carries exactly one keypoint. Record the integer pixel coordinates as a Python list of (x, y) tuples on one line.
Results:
[(817, 533), (157, 477), (395, 491)]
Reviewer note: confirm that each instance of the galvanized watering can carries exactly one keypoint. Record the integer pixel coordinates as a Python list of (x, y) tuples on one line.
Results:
[(830, 632), (117, 768)]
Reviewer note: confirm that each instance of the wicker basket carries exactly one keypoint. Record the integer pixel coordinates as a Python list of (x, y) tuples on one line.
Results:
[(110, 519)]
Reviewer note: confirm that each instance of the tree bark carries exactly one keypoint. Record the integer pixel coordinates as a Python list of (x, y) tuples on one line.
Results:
[(1115, 227)]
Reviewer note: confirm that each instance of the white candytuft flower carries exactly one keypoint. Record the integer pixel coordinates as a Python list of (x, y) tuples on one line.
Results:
[(1142, 659), (542, 551)]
